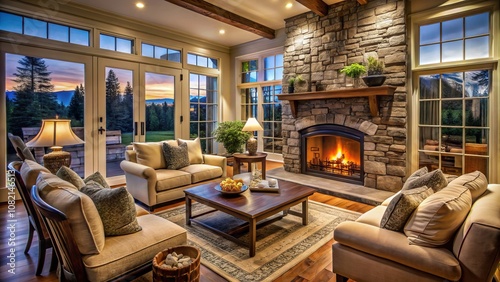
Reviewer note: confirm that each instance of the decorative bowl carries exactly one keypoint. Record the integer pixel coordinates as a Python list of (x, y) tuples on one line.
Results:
[(243, 189)]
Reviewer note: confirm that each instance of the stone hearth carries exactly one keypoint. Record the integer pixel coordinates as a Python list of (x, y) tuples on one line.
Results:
[(317, 48)]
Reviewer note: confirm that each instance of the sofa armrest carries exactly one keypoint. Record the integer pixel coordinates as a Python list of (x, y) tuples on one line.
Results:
[(141, 182), (217, 161), (394, 246)]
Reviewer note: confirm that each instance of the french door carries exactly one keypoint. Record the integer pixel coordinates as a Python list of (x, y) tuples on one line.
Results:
[(136, 103)]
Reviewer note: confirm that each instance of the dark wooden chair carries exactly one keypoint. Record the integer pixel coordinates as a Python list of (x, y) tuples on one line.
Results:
[(72, 267), (35, 222)]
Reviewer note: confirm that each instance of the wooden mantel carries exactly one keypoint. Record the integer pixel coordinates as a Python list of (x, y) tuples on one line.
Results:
[(370, 92)]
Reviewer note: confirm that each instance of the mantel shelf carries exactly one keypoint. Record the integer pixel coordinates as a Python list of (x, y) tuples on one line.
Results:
[(370, 92)]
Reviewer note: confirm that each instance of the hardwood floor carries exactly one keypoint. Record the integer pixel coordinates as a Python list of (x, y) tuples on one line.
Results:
[(316, 267)]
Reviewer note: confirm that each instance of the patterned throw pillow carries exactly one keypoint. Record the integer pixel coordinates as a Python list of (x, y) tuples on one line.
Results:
[(402, 206), (434, 179), (115, 207), (97, 177), (175, 156), (67, 174)]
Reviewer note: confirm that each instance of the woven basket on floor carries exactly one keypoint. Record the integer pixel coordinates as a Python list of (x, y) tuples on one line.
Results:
[(187, 273)]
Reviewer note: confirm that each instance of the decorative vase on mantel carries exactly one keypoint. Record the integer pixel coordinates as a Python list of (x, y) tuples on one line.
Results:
[(375, 71)]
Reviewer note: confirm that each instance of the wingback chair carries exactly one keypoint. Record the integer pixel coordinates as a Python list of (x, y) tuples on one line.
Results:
[(35, 221)]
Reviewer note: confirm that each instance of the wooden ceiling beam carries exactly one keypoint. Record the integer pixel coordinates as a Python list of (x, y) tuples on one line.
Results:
[(319, 7), (217, 13)]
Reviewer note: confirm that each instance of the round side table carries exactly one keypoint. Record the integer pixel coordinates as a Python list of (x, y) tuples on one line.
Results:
[(245, 158)]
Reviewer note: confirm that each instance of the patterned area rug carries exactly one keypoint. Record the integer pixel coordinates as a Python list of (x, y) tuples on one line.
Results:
[(280, 245)]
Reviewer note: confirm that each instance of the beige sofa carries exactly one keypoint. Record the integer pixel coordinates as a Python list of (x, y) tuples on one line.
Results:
[(364, 251), (152, 183), (104, 257)]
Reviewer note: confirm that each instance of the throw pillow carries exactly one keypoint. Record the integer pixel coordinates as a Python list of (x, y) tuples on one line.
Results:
[(402, 206), (476, 182), (150, 154), (194, 150), (434, 179), (28, 155), (175, 156), (67, 174), (97, 177), (115, 207), (437, 218)]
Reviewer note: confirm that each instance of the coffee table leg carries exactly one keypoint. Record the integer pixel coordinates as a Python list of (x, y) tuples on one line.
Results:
[(188, 211), (252, 236), (236, 166), (305, 212)]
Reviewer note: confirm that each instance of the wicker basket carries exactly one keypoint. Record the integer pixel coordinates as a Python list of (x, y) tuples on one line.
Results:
[(188, 273)]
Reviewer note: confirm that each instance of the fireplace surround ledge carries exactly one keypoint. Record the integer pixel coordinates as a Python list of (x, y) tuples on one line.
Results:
[(371, 92)]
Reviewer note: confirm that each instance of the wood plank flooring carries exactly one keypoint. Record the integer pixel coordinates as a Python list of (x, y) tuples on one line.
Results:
[(317, 267)]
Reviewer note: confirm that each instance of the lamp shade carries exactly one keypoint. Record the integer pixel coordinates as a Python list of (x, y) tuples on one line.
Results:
[(252, 125), (55, 132)]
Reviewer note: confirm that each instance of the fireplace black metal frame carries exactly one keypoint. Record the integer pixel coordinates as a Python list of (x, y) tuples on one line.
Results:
[(333, 130)]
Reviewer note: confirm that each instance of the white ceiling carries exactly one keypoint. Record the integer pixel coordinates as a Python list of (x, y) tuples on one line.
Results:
[(270, 13)]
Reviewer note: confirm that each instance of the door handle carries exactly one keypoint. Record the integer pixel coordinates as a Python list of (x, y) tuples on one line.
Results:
[(135, 128), (142, 128), (101, 130)]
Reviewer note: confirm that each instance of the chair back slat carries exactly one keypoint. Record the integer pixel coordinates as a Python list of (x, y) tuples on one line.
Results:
[(62, 237)]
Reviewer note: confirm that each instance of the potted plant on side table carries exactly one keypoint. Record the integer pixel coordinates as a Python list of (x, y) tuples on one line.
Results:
[(375, 72), (354, 71), (230, 134)]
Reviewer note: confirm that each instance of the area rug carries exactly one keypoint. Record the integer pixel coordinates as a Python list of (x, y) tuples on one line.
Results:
[(280, 245)]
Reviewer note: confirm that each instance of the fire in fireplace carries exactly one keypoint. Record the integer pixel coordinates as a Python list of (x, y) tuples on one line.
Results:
[(332, 151)]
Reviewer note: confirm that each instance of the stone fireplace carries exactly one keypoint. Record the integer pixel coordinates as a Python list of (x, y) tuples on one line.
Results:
[(332, 151), (317, 48)]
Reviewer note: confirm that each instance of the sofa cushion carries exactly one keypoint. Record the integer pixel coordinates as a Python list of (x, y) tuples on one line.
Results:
[(122, 253), (167, 179), (434, 179), (402, 206), (150, 154), (67, 174), (202, 172), (78, 208), (438, 217), (373, 216), (116, 208), (475, 181), (194, 150), (29, 172), (175, 156)]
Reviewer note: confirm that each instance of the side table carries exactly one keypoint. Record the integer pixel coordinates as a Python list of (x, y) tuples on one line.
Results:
[(245, 158)]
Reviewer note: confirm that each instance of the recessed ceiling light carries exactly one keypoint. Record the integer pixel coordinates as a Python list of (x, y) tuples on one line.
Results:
[(289, 5), (221, 31), (139, 5)]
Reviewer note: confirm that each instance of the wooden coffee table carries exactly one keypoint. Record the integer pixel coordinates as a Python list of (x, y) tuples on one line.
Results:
[(252, 207)]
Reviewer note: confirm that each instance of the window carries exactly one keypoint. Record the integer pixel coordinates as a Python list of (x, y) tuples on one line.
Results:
[(457, 39), (38, 28), (452, 120), (114, 43), (202, 61), (203, 109), (453, 123), (161, 53), (261, 101)]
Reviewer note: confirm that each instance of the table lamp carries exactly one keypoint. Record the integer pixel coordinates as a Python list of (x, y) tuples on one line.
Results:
[(55, 133), (252, 125)]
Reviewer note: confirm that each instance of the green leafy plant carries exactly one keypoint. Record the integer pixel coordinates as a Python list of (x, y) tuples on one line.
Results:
[(230, 134), (353, 70), (295, 79), (375, 67)]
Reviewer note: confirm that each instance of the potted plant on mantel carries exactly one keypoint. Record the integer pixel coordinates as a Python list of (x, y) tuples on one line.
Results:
[(354, 71), (375, 72), (230, 134), (292, 81)]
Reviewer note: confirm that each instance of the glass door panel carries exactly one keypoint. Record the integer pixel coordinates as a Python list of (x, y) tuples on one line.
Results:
[(42, 88)]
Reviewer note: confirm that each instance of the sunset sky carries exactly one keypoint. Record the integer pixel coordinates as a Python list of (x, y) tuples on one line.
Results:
[(67, 75)]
